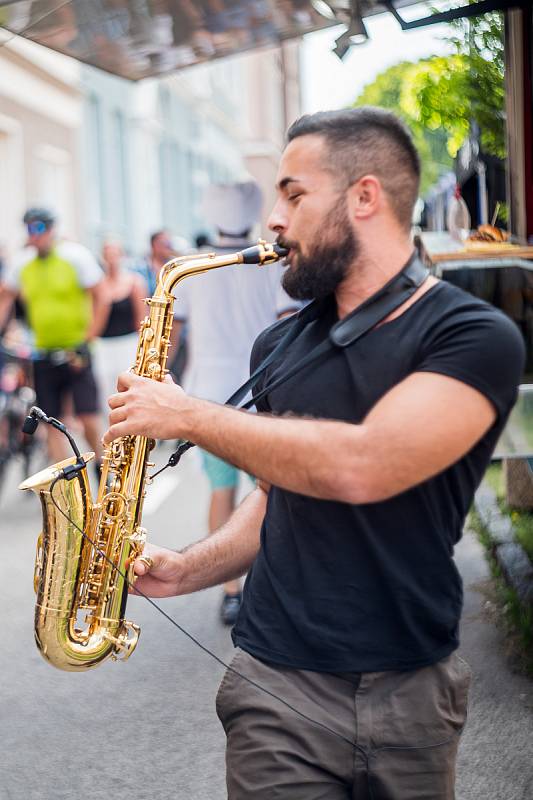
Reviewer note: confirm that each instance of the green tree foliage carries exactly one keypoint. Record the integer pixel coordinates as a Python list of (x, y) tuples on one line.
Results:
[(440, 97), (394, 89), (481, 41), (467, 87)]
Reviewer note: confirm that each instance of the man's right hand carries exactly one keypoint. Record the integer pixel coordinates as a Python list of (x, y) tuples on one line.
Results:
[(163, 577)]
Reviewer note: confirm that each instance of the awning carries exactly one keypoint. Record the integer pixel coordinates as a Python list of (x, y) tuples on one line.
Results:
[(143, 38)]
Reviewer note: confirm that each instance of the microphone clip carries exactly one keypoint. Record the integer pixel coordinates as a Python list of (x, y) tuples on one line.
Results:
[(30, 425)]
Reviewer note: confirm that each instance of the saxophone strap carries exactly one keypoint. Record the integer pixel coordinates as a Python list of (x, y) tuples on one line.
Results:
[(342, 334)]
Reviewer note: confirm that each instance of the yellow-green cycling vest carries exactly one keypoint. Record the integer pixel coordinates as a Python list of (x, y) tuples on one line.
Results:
[(58, 308)]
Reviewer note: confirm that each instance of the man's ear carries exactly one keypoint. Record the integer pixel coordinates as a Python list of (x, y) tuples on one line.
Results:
[(365, 197)]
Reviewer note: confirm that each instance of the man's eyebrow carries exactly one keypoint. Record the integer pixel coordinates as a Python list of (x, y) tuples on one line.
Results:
[(285, 181)]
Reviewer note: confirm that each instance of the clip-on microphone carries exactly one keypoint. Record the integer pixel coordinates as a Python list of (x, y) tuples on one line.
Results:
[(29, 426)]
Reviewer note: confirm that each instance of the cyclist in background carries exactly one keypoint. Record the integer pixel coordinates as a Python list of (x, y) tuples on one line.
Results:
[(59, 284)]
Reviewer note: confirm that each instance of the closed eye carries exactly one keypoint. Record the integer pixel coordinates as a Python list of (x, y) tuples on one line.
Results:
[(293, 197)]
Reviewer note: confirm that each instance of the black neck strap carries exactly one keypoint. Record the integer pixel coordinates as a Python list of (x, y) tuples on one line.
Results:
[(377, 307), (343, 333)]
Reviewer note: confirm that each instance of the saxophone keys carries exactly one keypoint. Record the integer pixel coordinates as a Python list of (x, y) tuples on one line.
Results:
[(139, 537), (114, 506), (147, 561), (125, 642)]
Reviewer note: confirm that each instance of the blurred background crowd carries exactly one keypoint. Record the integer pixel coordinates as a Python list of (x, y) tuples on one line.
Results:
[(70, 321)]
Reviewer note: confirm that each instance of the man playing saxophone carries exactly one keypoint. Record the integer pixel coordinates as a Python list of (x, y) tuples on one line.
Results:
[(366, 463)]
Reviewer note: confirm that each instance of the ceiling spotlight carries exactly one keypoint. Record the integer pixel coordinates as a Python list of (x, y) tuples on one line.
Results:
[(356, 33), (342, 45), (350, 13)]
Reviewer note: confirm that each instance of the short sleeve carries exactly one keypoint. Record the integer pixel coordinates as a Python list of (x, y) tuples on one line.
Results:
[(11, 277), (483, 349), (83, 261)]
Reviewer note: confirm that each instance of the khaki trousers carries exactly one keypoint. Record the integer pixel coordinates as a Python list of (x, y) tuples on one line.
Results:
[(395, 734)]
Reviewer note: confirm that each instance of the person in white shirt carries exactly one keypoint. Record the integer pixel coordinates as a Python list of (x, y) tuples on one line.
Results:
[(225, 310)]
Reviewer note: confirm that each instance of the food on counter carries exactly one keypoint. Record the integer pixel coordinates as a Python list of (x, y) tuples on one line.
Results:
[(488, 233)]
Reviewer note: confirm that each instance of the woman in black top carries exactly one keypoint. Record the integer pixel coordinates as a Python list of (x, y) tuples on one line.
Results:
[(123, 310)]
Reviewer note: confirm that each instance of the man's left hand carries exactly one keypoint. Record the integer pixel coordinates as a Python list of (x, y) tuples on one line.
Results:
[(146, 407)]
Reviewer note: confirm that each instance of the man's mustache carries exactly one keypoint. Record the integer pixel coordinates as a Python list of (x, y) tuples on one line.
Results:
[(286, 243)]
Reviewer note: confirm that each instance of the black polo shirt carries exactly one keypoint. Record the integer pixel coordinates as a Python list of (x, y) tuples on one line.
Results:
[(341, 587)]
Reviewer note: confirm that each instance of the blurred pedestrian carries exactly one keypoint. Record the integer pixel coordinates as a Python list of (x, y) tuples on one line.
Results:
[(161, 251), (225, 312), (60, 285), (201, 240), (123, 308)]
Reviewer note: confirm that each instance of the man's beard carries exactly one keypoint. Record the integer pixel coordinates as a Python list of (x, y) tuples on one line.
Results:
[(318, 275)]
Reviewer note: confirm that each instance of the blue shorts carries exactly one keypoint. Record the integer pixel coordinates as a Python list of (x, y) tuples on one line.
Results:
[(221, 475)]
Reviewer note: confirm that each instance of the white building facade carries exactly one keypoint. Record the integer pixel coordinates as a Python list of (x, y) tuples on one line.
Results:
[(41, 108), (119, 159), (151, 148)]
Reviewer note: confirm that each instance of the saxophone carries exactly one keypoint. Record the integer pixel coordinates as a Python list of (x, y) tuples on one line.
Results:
[(81, 582)]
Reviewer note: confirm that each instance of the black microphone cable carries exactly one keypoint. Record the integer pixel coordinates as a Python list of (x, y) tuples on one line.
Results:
[(186, 633), (68, 472)]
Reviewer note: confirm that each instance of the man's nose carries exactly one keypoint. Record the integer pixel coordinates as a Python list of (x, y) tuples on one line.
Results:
[(277, 220)]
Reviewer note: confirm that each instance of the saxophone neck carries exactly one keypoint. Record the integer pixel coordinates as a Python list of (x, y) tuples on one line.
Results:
[(178, 269)]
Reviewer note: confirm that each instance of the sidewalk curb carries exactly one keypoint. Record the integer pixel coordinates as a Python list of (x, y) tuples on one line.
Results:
[(510, 555)]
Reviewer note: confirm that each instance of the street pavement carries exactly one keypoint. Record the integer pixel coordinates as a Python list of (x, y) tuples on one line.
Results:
[(147, 729)]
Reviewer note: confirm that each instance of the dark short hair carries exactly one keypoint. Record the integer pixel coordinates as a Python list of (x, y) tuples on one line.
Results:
[(156, 235), (201, 240), (368, 140), (36, 214)]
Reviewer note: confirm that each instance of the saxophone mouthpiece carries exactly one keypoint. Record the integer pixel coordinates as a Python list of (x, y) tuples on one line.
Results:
[(263, 253)]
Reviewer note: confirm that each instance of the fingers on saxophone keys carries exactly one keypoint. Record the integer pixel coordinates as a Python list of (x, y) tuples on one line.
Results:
[(114, 432), (143, 564), (117, 415), (116, 400)]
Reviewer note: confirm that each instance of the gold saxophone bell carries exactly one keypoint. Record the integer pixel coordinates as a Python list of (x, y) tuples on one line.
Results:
[(82, 582)]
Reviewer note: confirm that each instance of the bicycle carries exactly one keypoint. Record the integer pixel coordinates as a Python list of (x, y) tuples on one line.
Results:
[(16, 397)]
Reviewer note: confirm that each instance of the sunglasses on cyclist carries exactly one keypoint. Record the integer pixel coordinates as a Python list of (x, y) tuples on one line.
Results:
[(37, 227)]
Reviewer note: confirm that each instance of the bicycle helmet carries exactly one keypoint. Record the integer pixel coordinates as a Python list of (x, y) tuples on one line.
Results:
[(39, 215)]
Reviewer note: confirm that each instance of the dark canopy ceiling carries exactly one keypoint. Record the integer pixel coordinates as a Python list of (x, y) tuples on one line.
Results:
[(140, 38)]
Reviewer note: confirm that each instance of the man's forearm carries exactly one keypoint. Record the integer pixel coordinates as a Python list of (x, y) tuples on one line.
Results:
[(228, 553), (414, 431), (294, 454)]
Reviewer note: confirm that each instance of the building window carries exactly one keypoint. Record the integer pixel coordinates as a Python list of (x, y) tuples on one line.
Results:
[(96, 166), (54, 187), (120, 160)]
